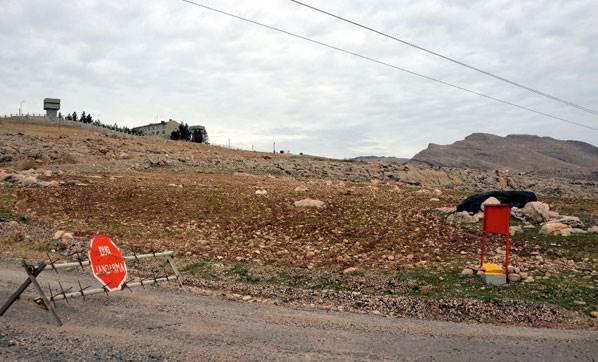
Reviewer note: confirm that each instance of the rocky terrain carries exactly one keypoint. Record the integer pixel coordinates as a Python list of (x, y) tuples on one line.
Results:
[(373, 237), (543, 156)]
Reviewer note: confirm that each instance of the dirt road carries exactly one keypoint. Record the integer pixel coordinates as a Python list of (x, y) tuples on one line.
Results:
[(172, 324)]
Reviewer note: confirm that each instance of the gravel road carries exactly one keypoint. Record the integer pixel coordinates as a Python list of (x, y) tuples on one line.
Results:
[(172, 324)]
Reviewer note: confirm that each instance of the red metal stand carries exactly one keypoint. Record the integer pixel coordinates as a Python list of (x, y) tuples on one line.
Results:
[(496, 221)]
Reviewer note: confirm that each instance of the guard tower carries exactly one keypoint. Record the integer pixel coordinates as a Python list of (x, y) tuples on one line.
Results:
[(51, 106)]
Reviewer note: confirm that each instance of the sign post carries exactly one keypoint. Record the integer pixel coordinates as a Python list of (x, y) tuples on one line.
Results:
[(107, 262)]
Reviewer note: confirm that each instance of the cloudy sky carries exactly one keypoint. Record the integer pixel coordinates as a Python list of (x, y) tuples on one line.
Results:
[(136, 61)]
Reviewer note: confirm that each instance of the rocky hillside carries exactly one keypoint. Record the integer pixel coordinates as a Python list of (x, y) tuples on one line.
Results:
[(542, 156), (29, 146)]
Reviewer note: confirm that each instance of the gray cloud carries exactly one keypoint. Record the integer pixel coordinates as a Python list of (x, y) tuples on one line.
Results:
[(135, 61)]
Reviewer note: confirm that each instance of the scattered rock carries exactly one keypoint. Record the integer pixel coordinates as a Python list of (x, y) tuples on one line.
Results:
[(434, 199), (261, 192), (66, 238), (514, 230), (490, 201), (593, 229), (300, 189), (555, 228), (578, 231), (310, 203), (462, 217), (553, 215), (514, 277), (446, 210), (572, 221), (467, 271), (594, 314), (350, 270)]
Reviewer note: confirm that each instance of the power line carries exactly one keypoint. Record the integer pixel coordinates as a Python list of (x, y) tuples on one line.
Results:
[(490, 74), (388, 65)]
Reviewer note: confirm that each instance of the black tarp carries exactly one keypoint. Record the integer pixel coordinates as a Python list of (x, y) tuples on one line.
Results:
[(513, 198)]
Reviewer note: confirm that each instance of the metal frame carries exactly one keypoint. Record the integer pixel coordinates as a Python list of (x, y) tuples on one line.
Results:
[(50, 303)]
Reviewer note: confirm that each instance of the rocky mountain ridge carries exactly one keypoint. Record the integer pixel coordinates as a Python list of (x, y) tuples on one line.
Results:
[(542, 156)]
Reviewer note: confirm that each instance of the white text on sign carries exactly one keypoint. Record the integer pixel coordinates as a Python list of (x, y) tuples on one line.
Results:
[(110, 268), (104, 250)]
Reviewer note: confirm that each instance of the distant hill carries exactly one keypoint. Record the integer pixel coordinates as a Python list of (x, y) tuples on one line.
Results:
[(381, 158), (538, 155)]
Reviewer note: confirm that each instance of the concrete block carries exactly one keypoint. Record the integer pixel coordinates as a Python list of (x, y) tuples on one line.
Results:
[(494, 279)]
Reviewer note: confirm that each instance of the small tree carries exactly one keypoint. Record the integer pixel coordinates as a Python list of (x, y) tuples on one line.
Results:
[(184, 132), (175, 135), (197, 136), (59, 115), (75, 116), (88, 119), (83, 117)]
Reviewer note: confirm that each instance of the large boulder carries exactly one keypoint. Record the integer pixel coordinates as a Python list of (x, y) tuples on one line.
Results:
[(555, 228), (473, 203), (536, 211)]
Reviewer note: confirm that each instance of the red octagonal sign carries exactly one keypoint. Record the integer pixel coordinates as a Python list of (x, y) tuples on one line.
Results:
[(107, 262)]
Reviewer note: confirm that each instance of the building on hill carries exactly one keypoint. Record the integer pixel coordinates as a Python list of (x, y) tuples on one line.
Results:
[(162, 129), (199, 134)]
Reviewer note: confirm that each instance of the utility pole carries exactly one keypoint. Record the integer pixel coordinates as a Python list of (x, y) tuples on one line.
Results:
[(21, 108), (229, 143), (274, 147)]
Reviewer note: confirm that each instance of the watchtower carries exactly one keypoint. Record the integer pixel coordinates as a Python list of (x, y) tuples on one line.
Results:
[(51, 106)]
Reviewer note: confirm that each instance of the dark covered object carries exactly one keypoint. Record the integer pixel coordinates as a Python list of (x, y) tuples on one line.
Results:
[(513, 198)]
